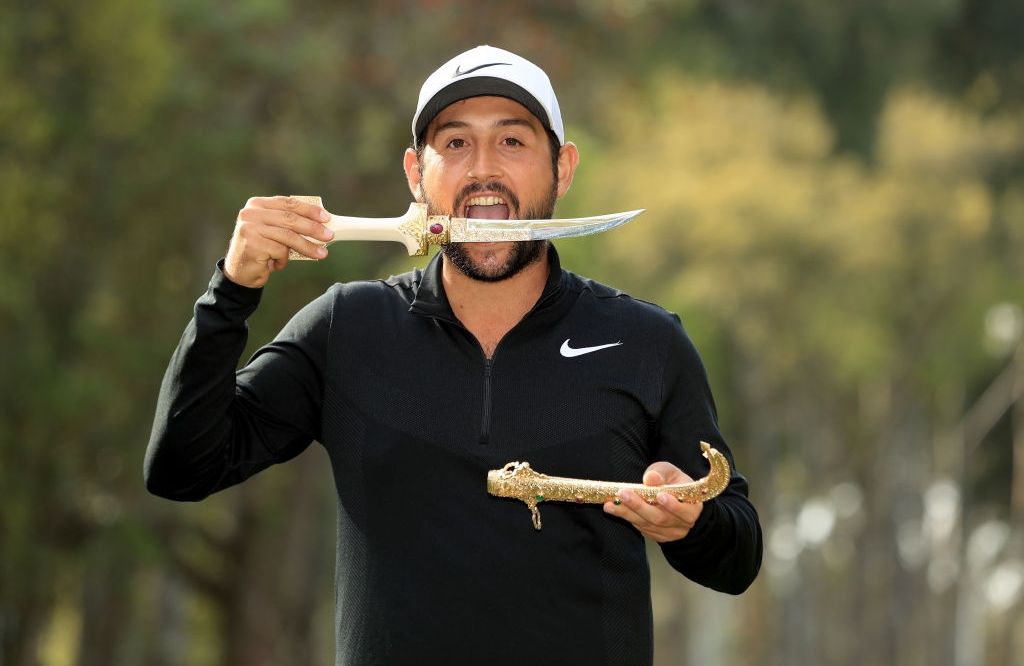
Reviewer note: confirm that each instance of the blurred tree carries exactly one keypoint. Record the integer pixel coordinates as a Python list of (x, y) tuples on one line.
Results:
[(838, 293), (78, 86)]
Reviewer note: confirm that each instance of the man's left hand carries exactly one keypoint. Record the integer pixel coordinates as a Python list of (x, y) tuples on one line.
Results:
[(667, 519)]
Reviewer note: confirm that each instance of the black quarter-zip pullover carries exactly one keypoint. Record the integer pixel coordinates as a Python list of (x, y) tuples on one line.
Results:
[(431, 569)]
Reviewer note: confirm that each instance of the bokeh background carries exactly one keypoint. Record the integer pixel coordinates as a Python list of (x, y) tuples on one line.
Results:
[(835, 207)]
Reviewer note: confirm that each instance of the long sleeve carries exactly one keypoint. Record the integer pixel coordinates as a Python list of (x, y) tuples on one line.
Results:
[(214, 428), (723, 551)]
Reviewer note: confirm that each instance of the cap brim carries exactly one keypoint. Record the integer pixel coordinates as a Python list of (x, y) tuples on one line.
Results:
[(477, 86)]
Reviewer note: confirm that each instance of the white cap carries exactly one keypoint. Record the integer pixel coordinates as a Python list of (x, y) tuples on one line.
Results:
[(486, 70)]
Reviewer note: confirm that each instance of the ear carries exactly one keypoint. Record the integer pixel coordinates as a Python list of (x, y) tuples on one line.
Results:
[(568, 159), (412, 174)]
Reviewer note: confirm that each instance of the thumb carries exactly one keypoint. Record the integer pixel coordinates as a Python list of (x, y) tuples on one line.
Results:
[(665, 473)]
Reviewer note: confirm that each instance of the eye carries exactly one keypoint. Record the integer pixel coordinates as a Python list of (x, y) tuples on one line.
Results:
[(511, 142), (457, 143)]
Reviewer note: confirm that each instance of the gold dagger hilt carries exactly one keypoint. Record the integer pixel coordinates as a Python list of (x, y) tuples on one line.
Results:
[(519, 481), (416, 230)]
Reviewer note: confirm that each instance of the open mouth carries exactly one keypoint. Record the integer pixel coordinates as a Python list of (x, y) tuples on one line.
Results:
[(487, 208)]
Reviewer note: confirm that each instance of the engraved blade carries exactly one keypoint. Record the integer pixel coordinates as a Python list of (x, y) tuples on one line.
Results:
[(472, 230)]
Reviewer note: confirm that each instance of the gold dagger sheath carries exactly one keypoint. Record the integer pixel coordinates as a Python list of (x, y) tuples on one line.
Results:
[(418, 231), (518, 481)]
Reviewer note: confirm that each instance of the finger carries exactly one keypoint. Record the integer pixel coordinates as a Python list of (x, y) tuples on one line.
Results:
[(630, 506), (664, 519), (284, 239), (271, 239), (302, 205), (653, 477), (309, 207), (292, 213)]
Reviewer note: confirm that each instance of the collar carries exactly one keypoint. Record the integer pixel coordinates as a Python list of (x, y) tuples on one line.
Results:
[(431, 300)]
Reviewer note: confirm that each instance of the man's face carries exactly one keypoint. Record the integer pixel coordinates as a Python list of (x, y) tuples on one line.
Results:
[(488, 157)]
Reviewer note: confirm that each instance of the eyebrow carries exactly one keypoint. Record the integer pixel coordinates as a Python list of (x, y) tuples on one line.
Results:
[(505, 122)]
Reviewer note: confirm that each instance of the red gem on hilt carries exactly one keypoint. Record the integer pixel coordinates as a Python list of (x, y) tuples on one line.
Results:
[(436, 228)]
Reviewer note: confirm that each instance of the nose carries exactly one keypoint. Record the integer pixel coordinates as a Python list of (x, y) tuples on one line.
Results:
[(484, 165)]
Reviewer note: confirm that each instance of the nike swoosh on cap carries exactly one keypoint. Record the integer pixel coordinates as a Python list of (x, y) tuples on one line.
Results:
[(570, 352), (459, 72)]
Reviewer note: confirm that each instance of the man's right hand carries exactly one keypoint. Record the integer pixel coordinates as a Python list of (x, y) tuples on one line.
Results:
[(265, 231)]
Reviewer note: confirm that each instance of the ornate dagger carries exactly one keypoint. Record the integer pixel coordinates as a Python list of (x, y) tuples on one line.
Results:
[(418, 231), (518, 481)]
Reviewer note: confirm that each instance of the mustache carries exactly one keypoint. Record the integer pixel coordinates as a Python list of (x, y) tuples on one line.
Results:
[(495, 187)]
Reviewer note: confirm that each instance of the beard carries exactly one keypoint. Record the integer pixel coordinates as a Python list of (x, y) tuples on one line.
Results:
[(522, 254)]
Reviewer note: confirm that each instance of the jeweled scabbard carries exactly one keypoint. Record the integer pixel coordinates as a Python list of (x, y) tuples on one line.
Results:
[(519, 481)]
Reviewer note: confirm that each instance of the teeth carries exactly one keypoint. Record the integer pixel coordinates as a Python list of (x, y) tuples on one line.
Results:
[(485, 201)]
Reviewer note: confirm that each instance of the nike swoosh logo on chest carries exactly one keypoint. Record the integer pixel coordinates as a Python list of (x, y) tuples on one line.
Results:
[(571, 352)]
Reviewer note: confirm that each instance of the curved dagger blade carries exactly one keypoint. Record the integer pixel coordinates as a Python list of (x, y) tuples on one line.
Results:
[(470, 230)]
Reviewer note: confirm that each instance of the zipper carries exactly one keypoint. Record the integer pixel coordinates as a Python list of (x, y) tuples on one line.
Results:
[(485, 423)]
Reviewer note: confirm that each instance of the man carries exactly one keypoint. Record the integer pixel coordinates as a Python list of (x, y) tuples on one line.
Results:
[(418, 385)]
